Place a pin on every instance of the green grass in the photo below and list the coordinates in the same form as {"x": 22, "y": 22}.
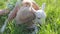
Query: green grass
{"x": 52, "y": 22}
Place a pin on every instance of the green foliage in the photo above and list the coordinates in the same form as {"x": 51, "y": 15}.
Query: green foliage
{"x": 52, "y": 25}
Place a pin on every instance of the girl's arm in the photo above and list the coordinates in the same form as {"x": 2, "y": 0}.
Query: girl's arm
{"x": 4, "y": 11}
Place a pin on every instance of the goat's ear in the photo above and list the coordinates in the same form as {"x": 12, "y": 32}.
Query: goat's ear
{"x": 43, "y": 6}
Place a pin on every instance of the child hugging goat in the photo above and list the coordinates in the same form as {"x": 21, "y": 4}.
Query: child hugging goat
{"x": 26, "y": 13}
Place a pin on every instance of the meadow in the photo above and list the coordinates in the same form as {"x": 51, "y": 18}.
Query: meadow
{"x": 52, "y": 21}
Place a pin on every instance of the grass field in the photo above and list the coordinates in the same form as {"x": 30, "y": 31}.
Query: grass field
{"x": 52, "y": 22}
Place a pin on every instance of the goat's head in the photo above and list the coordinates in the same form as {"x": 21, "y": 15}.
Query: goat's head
{"x": 40, "y": 15}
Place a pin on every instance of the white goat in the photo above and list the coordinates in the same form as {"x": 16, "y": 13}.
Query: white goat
{"x": 40, "y": 17}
